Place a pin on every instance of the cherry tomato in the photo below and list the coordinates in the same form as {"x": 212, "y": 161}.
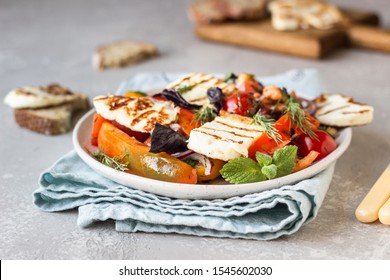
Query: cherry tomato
{"x": 241, "y": 104}
{"x": 324, "y": 145}
{"x": 246, "y": 83}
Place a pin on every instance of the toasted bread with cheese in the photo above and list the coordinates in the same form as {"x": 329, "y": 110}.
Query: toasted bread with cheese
{"x": 40, "y": 96}
{"x": 122, "y": 53}
{"x": 211, "y": 11}
{"x": 342, "y": 111}
{"x": 46, "y": 109}
{"x": 288, "y": 15}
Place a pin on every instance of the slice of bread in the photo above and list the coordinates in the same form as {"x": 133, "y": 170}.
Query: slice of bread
{"x": 211, "y": 11}
{"x": 49, "y": 121}
{"x": 122, "y": 53}
{"x": 48, "y": 110}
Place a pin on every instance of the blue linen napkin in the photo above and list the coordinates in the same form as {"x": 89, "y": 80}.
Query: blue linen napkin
{"x": 70, "y": 184}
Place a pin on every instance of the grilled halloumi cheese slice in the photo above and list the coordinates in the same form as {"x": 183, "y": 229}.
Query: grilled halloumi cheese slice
{"x": 226, "y": 137}
{"x": 137, "y": 113}
{"x": 341, "y": 111}
{"x": 194, "y": 87}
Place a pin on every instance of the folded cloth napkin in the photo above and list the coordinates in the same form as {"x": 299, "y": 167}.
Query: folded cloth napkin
{"x": 70, "y": 183}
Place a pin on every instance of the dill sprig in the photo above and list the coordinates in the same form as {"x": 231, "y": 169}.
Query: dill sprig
{"x": 268, "y": 125}
{"x": 113, "y": 162}
{"x": 184, "y": 88}
{"x": 298, "y": 116}
{"x": 205, "y": 114}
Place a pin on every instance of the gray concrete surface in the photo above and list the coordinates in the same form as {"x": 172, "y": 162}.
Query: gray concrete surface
{"x": 46, "y": 41}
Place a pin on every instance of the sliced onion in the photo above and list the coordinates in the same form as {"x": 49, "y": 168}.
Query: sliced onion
{"x": 207, "y": 167}
{"x": 183, "y": 155}
{"x": 309, "y": 106}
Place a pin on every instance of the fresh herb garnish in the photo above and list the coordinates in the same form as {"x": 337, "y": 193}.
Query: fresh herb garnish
{"x": 184, "y": 88}
{"x": 205, "y": 114}
{"x": 245, "y": 170}
{"x": 268, "y": 125}
{"x": 298, "y": 116}
{"x": 242, "y": 170}
{"x": 191, "y": 162}
{"x": 113, "y": 162}
{"x": 230, "y": 78}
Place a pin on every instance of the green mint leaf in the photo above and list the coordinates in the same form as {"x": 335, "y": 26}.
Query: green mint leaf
{"x": 284, "y": 159}
{"x": 269, "y": 171}
{"x": 242, "y": 170}
{"x": 263, "y": 159}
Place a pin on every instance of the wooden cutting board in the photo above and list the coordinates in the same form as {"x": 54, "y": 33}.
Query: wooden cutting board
{"x": 316, "y": 44}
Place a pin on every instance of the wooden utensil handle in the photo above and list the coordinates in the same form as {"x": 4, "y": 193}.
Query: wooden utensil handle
{"x": 369, "y": 37}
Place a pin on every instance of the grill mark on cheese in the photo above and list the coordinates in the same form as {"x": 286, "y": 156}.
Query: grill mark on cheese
{"x": 239, "y": 128}
{"x": 143, "y": 104}
{"x": 220, "y": 138}
{"x": 20, "y": 91}
{"x": 358, "y": 112}
{"x": 115, "y": 102}
{"x": 227, "y": 131}
{"x": 333, "y": 110}
{"x": 202, "y": 81}
{"x": 185, "y": 79}
{"x": 201, "y": 78}
{"x": 56, "y": 89}
{"x": 197, "y": 99}
{"x": 150, "y": 122}
{"x": 142, "y": 116}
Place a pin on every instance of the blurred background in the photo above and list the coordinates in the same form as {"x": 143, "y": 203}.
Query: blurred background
{"x": 45, "y": 41}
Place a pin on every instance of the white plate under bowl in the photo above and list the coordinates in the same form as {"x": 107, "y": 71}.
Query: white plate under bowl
{"x": 214, "y": 189}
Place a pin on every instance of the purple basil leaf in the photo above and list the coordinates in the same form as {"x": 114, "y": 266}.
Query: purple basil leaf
{"x": 165, "y": 139}
{"x": 176, "y": 98}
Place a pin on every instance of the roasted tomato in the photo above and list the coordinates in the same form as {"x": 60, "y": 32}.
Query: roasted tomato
{"x": 140, "y": 136}
{"x": 241, "y": 103}
{"x": 324, "y": 144}
{"x": 98, "y": 121}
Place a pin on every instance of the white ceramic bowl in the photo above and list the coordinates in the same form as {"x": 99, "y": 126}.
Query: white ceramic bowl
{"x": 214, "y": 189}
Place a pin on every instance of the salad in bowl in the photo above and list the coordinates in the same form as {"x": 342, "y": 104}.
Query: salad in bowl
{"x": 201, "y": 128}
